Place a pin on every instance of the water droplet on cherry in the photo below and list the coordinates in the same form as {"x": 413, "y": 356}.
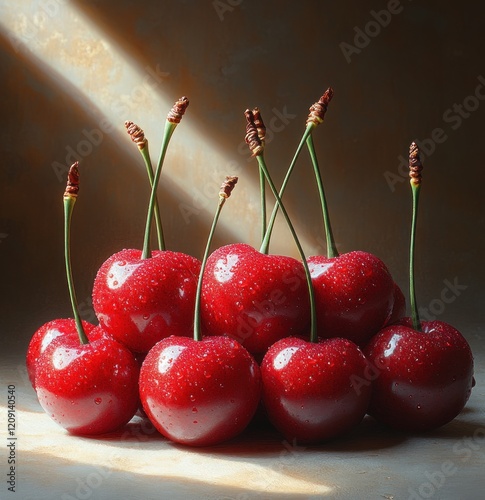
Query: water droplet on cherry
{"x": 98, "y": 401}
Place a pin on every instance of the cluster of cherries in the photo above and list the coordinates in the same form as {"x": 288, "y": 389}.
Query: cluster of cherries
{"x": 314, "y": 343}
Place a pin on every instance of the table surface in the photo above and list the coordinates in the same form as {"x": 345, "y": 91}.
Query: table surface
{"x": 137, "y": 463}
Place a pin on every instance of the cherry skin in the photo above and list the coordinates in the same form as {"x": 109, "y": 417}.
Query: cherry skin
{"x": 44, "y": 335}
{"x": 354, "y": 295}
{"x": 422, "y": 379}
{"x": 309, "y": 389}
{"x": 398, "y": 308}
{"x": 88, "y": 389}
{"x": 199, "y": 393}
{"x": 253, "y": 297}
{"x": 140, "y": 301}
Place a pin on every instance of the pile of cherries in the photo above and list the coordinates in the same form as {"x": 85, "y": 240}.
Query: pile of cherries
{"x": 314, "y": 344}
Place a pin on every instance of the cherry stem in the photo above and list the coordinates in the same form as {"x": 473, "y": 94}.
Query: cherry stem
{"x": 415, "y": 168}
{"x": 262, "y": 189}
{"x": 158, "y": 221}
{"x": 225, "y": 192}
{"x": 265, "y": 244}
{"x": 169, "y": 129}
{"x": 311, "y": 293}
{"x": 69, "y": 202}
{"x": 331, "y": 247}
{"x": 415, "y": 188}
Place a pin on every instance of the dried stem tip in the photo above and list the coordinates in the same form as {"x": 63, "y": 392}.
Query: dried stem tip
{"x": 72, "y": 188}
{"x": 318, "y": 110}
{"x": 178, "y": 110}
{"x": 415, "y": 165}
{"x": 227, "y": 186}
{"x": 260, "y": 127}
{"x": 252, "y": 137}
{"x": 136, "y": 133}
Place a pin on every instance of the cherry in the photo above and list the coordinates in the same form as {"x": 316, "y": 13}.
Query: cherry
{"x": 140, "y": 301}
{"x": 424, "y": 369}
{"x": 354, "y": 292}
{"x": 141, "y": 297}
{"x": 200, "y": 391}
{"x": 424, "y": 378}
{"x": 255, "y": 298}
{"x": 309, "y": 389}
{"x": 88, "y": 386}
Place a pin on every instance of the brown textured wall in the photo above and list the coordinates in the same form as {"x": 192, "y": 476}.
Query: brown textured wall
{"x": 419, "y": 69}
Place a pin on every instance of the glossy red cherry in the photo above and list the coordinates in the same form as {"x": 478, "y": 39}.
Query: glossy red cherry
{"x": 423, "y": 379}
{"x": 199, "y": 393}
{"x": 140, "y": 301}
{"x": 255, "y": 298}
{"x": 309, "y": 389}
{"x": 89, "y": 388}
{"x": 44, "y": 335}
{"x": 423, "y": 370}
{"x": 354, "y": 294}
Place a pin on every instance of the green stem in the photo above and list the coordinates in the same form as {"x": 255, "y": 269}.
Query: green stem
{"x": 262, "y": 189}
{"x": 198, "y": 294}
{"x": 167, "y": 134}
{"x": 412, "y": 292}
{"x": 313, "y": 316}
{"x": 331, "y": 247}
{"x": 158, "y": 221}
{"x": 265, "y": 244}
{"x": 69, "y": 202}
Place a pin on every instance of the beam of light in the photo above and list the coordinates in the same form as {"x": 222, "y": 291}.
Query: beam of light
{"x": 113, "y": 87}
{"x": 151, "y": 456}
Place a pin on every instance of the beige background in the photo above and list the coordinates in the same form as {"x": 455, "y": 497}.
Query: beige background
{"x": 73, "y": 67}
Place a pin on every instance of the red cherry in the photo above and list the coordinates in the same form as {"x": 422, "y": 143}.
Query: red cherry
{"x": 44, "y": 335}
{"x": 88, "y": 388}
{"x": 253, "y": 297}
{"x": 309, "y": 389}
{"x": 354, "y": 294}
{"x": 202, "y": 392}
{"x": 140, "y": 301}
{"x": 423, "y": 378}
